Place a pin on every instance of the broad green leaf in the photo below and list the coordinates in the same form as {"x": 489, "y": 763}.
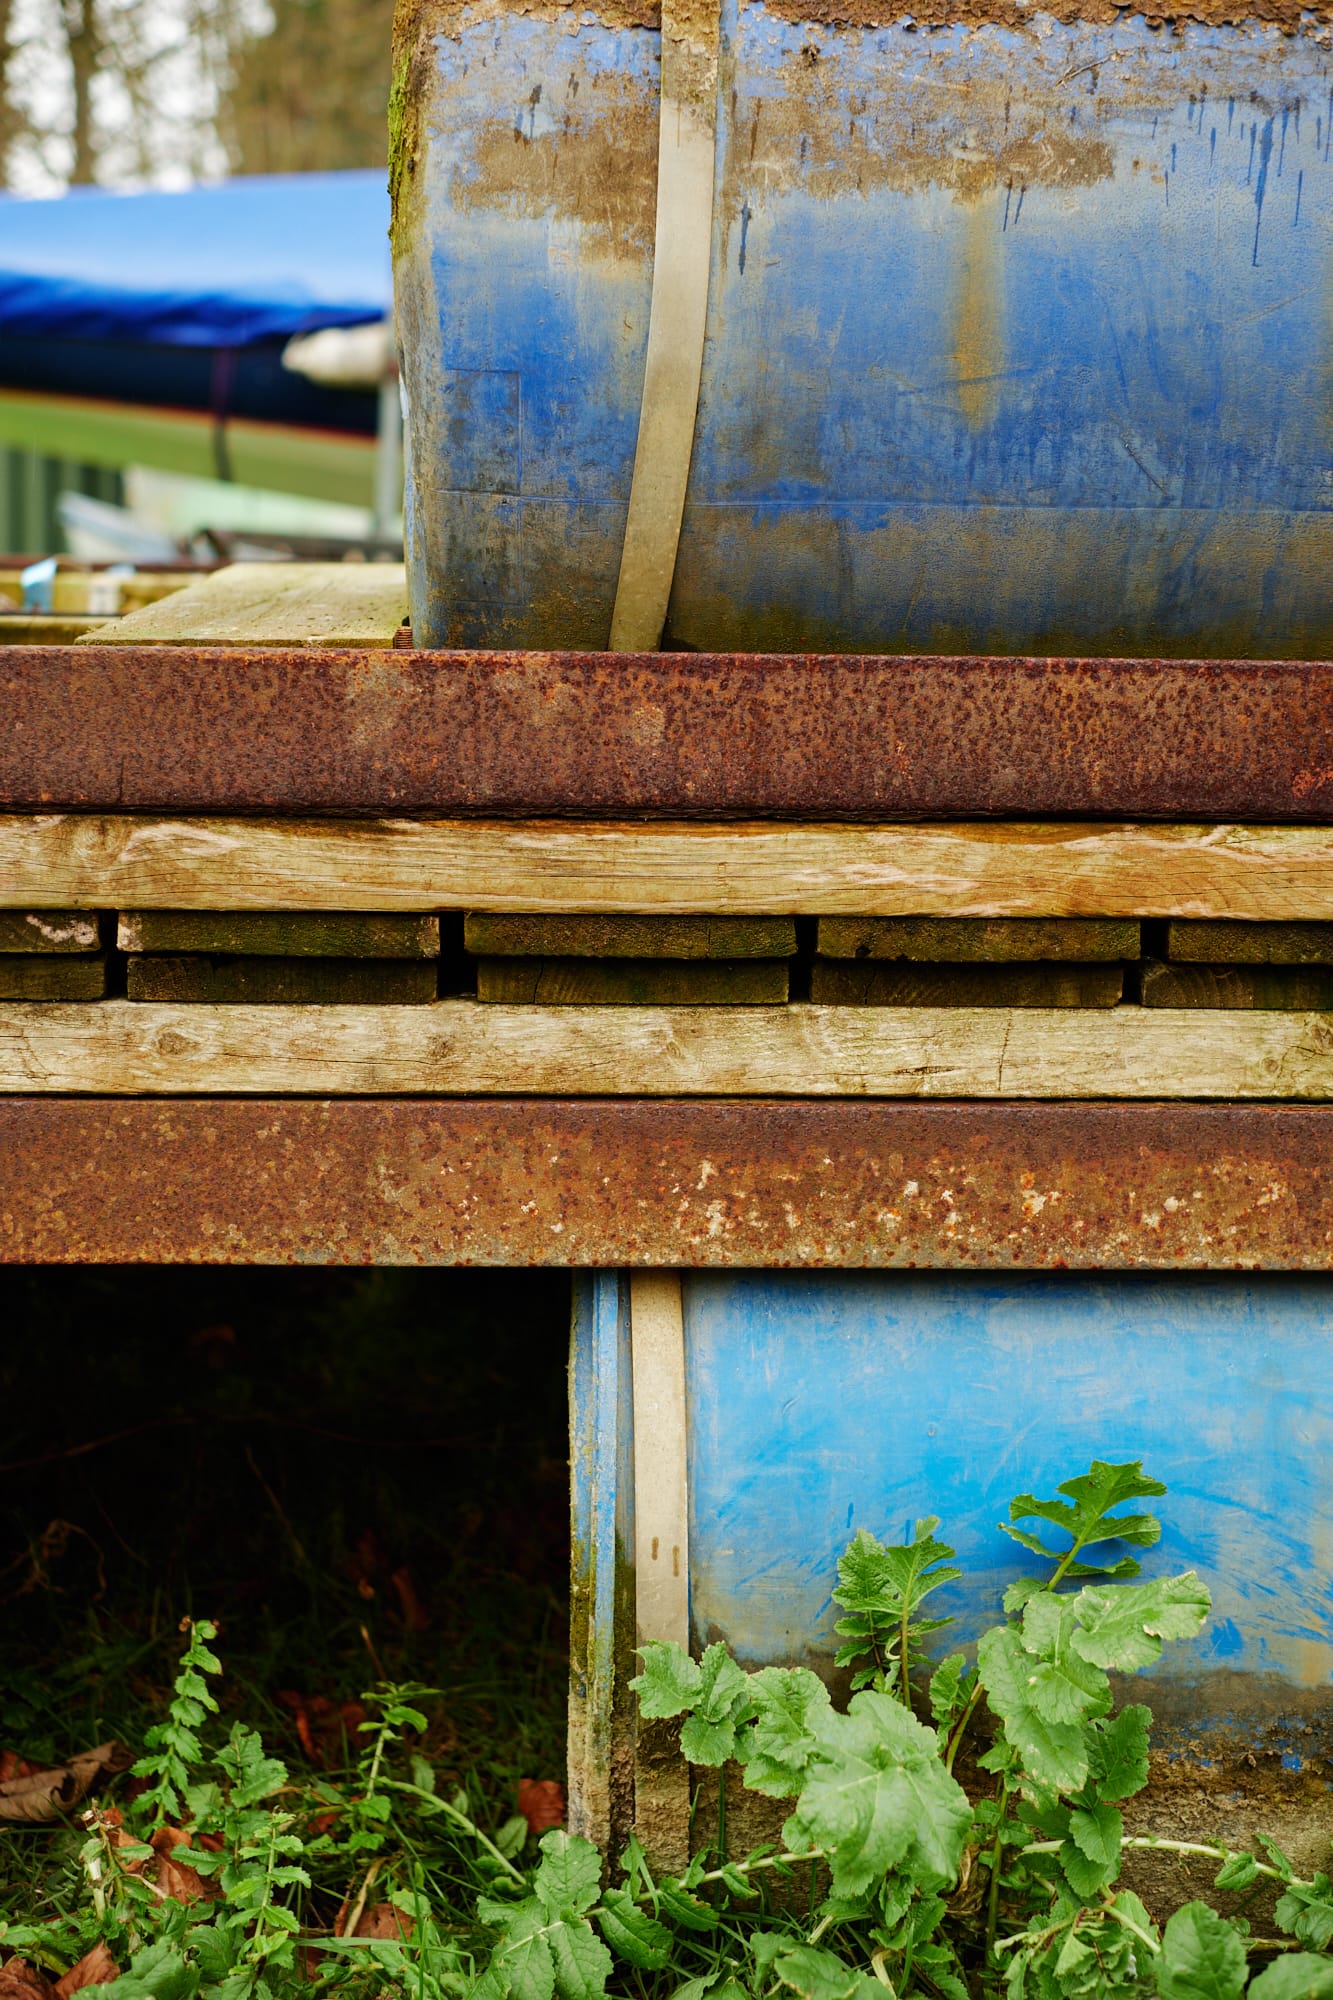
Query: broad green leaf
{"x": 950, "y": 1687}
{"x": 1123, "y": 1626}
{"x": 684, "y": 1908}
{"x": 570, "y": 1875}
{"x": 1202, "y": 1958}
{"x": 776, "y": 1751}
{"x": 1237, "y": 1873}
{"x": 1091, "y": 1855}
{"x": 878, "y": 1797}
{"x": 1054, "y": 1752}
{"x": 874, "y": 1576}
{"x": 522, "y": 1959}
{"x": 1118, "y": 1752}
{"x": 1306, "y": 1912}
{"x": 158, "y": 1972}
{"x": 512, "y": 1837}
{"x": 670, "y": 1681}
{"x": 1279, "y": 1860}
{"x": 1298, "y": 1975}
{"x": 581, "y": 1961}
{"x": 1084, "y": 1511}
{"x": 816, "y": 1974}
{"x": 722, "y": 1701}
{"x": 705, "y": 1742}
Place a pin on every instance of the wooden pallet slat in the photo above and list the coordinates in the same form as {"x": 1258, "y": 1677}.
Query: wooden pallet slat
{"x": 464, "y": 1047}
{"x": 962, "y": 869}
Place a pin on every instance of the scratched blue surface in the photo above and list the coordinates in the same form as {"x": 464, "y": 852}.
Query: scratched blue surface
{"x": 1017, "y": 339}
{"x": 820, "y": 1404}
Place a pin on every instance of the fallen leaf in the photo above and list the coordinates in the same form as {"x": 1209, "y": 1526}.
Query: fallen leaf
{"x": 41, "y": 1796}
{"x": 14, "y": 1766}
{"x": 414, "y": 1617}
{"x": 542, "y": 1803}
{"x": 96, "y": 1968}
{"x": 382, "y": 1920}
{"x": 323, "y": 1727}
{"x": 21, "y": 1981}
{"x": 176, "y": 1878}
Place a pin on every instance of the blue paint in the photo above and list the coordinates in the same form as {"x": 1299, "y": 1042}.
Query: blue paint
{"x": 821, "y": 1403}
{"x": 601, "y": 1511}
{"x": 978, "y": 373}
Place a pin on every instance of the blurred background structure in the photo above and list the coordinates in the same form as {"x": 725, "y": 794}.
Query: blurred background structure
{"x": 149, "y": 403}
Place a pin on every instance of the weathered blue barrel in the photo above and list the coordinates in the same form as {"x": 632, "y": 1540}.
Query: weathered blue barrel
{"x": 1018, "y": 328}
{"x": 816, "y": 1404}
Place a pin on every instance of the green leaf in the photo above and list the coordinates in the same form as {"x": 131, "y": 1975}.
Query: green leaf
{"x": 512, "y": 1837}
{"x": 816, "y": 1974}
{"x": 874, "y": 1577}
{"x": 1091, "y": 1855}
{"x": 670, "y": 1681}
{"x": 684, "y": 1908}
{"x": 570, "y": 1875}
{"x": 158, "y": 1972}
{"x": 948, "y": 1689}
{"x": 1085, "y": 1514}
{"x": 1298, "y": 1975}
{"x": 1202, "y": 1958}
{"x": 1237, "y": 1873}
{"x": 1118, "y": 1752}
{"x": 1123, "y": 1626}
{"x": 581, "y": 1961}
{"x": 522, "y": 1959}
{"x": 878, "y": 1797}
{"x": 776, "y": 1752}
{"x": 1305, "y": 1912}
{"x": 1054, "y": 1752}
{"x": 631, "y": 1933}
{"x": 720, "y": 1705}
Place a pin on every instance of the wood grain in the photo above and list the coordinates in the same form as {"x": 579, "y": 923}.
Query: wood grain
{"x": 49, "y": 976}
{"x": 279, "y": 934}
{"x": 461, "y": 1047}
{"x": 957, "y": 940}
{"x": 959, "y": 869}
{"x": 48, "y": 930}
{"x": 1250, "y": 944}
{"x": 281, "y": 982}
{"x": 505, "y": 936}
{"x": 1291, "y": 988}
{"x": 859, "y": 982}
{"x": 633, "y": 982}
{"x": 271, "y": 604}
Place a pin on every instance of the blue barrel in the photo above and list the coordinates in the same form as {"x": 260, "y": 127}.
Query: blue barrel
{"x": 1018, "y": 331}
{"x": 818, "y": 1404}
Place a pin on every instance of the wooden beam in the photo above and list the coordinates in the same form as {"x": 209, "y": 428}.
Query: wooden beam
{"x": 464, "y": 1047}
{"x": 110, "y": 861}
{"x": 273, "y": 604}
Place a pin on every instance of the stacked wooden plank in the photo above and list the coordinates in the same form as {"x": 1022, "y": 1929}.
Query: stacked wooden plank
{"x": 51, "y": 955}
{"x": 627, "y": 960}
{"x": 279, "y": 958}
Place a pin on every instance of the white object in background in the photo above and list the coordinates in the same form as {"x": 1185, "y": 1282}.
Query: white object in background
{"x": 343, "y": 357}
{"x": 95, "y": 531}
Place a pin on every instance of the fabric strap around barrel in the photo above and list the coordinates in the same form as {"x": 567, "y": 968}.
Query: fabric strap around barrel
{"x": 685, "y": 152}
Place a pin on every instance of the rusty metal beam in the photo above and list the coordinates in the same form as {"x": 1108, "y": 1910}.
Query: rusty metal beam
{"x": 671, "y": 735}
{"x": 766, "y": 1183}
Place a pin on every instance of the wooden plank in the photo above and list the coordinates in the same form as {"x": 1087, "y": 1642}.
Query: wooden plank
{"x": 42, "y": 977}
{"x": 493, "y": 935}
{"x": 91, "y": 860}
{"x": 845, "y": 982}
{"x": 946, "y": 940}
{"x": 1251, "y": 944}
{"x": 460, "y": 1048}
{"x": 274, "y": 604}
{"x": 48, "y": 930}
{"x": 279, "y": 933}
{"x": 53, "y": 628}
{"x": 633, "y": 982}
{"x": 282, "y": 982}
{"x": 1291, "y": 988}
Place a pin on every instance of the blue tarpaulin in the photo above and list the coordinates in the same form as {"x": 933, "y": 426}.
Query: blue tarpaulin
{"x": 257, "y": 258}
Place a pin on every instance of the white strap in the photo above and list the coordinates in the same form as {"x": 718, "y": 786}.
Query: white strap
{"x": 679, "y": 311}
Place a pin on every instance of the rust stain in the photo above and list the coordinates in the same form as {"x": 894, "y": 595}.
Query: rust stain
{"x": 1290, "y": 15}
{"x": 978, "y": 352}
{"x": 598, "y": 168}
{"x": 662, "y": 736}
{"x": 721, "y": 1185}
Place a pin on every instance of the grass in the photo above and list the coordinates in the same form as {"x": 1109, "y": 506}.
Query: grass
{"x": 358, "y": 1476}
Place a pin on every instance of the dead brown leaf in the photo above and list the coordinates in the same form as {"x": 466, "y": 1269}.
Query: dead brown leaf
{"x": 414, "y": 1616}
{"x": 14, "y": 1766}
{"x": 43, "y": 1796}
{"x": 542, "y": 1803}
{"x": 21, "y": 1981}
{"x": 96, "y": 1968}
{"x": 382, "y": 1920}
{"x": 176, "y": 1878}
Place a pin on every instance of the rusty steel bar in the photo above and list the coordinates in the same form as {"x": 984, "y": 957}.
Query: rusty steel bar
{"x": 722, "y": 1184}
{"x": 670, "y": 735}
